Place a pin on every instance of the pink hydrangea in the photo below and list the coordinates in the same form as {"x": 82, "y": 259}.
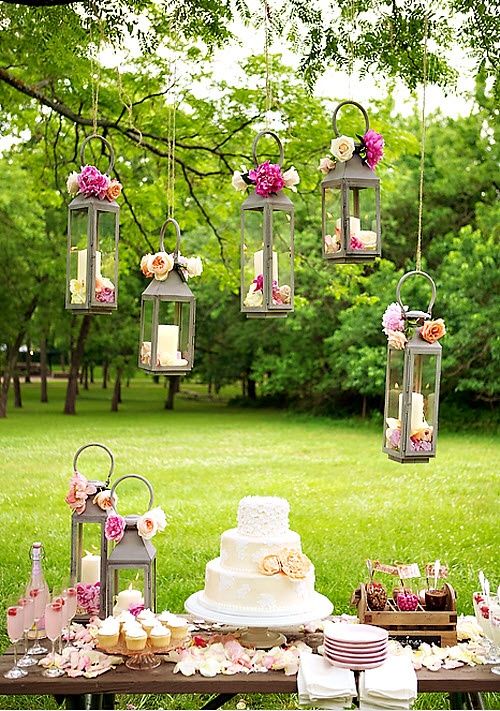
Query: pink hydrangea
{"x": 393, "y": 320}
{"x": 79, "y": 490}
{"x": 355, "y": 243}
{"x": 374, "y": 144}
{"x": 88, "y": 597}
{"x": 105, "y": 295}
{"x": 92, "y": 183}
{"x": 268, "y": 179}
{"x": 114, "y": 528}
{"x": 420, "y": 445}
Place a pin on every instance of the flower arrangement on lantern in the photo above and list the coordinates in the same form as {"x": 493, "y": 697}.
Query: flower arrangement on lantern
{"x": 148, "y": 525}
{"x": 80, "y": 488}
{"x": 267, "y": 178}
{"x": 160, "y": 264}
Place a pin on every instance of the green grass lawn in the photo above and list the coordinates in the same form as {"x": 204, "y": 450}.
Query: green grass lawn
{"x": 347, "y": 500}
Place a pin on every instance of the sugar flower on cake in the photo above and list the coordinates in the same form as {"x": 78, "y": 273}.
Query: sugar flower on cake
{"x": 270, "y": 565}
{"x": 267, "y": 178}
{"x": 91, "y": 183}
{"x": 114, "y": 528}
{"x": 79, "y": 491}
{"x": 292, "y": 563}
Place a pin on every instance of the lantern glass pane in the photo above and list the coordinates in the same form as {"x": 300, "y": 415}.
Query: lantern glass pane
{"x": 423, "y": 403}
{"x": 105, "y": 257}
{"x": 362, "y": 220}
{"x": 332, "y": 212}
{"x": 78, "y": 255}
{"x": 393, "y": 398}
{"x": 253, "y": 286}
{"x": 173, "y": 333}
{"x": 146, "y": 331}
{"x": 282, "y": 260}
{"x": 132, "y": 578}
{"x": 89, "y": 571}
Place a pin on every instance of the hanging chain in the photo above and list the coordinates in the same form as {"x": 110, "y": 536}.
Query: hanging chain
{"x": 418, "y": 261}
{"x": 269, "y": 95}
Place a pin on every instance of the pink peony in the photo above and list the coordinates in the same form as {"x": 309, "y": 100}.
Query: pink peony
{"x": 114, "y": 528}
{"x": 393, "y": 320}
{"x": 92, "y": 183}
{"x": 355, "y": 243}
{"x": 105, "y": 296}
{"x": 374, "y": 144}
{"x": 79, "y": 490}
{"x": 268, "y": 179}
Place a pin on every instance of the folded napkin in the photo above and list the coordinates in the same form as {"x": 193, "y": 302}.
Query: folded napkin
{"x": 323, "y": 686}
{"x": 390, "y": 686}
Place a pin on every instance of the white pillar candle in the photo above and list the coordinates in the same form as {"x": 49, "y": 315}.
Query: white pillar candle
{"x": 91, "y": 569}
{"x": 168, "y": 341}
{"x": 258, "y": 264}
{"x": 127, "y": 598}
{"x": 82, "y": 265}
{"x": 354, "y": 226}
{"x": 417, "y": 411}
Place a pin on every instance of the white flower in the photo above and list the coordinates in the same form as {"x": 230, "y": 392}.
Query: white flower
{"x": 291, "y": 178}
{"x": 77, "y": 291}
{"x": 342, "y": 148}
{"x": 147, "y": 526}
{"x": 161, "y": 520}
{"x": 104, "y": 501}
{"x": 397, "y": 340}
{"x": 286, "y": 293}
{"x": 237, "y": 182}
{"x": 326, "y": 164}
{"x": 194, "y": 266}
{"x": 72, "y": 183}
{"x": 254, "y": 299}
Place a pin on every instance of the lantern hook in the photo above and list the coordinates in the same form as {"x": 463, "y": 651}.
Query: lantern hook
{"x": 135, "y": 476}
{"x": 106, "y": 143}
{"x": 351, "y": 103}
{"x": 174, "y": 222}
{"x": 102, "y": 446}
{"x": 416, "y": 315}
{"x": 276, "y": 138}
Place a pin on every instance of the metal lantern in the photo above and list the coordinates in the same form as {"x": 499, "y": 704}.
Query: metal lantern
{"x": 92, "y": 255}
{"x": 92, "y": 569}
{"x": 267, "y": 229}
{"x": 412, "y": 389}
{"x": 132, "y": 552}
{"x": 167, "y": 320}
{"x": 351, "y": 207}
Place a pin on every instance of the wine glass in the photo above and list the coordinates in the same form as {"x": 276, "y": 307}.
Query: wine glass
{"x": 59, "y": 599}
{"x": 53, "y": 627}
{"x": 493, "y": 651}
{"x": 15, "y": 630}
{"x": 39, "y": 596}
{"x": 495, "y": 631}
{"x": 28, "y": 605}
{"x": 70, "y": 605}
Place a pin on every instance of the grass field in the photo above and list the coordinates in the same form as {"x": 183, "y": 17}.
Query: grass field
{"x": 347, "y": 500}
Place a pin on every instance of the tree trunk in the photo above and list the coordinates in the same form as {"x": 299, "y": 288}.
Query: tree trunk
{"x": 18, "y": 400}
{"x": 44, "y": 397}
{"x": 92, "y": 373}
{"x": 251, "y": 388}
{"x": 120, "y": 390}
{"x": 363, "y": 407}
{"x": 85, "y": 377}
{"x": 173, "y": 386}
{"x": 105, "y": 372}
{"x": 27, "y": 377}
{"x": 244, "y": 386}
{"x": 116, "y": 399}
{"x": 63, "y": 362}
{"x": 76, "y": 356}
{"x": 210, "y": 388}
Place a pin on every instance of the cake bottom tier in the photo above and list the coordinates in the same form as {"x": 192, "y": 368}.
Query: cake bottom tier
{"x": 256, "y": 594}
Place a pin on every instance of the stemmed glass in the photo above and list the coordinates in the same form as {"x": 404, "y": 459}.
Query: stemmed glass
{"x": 53, "y": 627}
{"x": 15, "y": 629}
{"x": 70, "y": 604}
{"x": 28, "y": 605}
{"x": 495, "y": 631}
{"x": 39, "y": 596}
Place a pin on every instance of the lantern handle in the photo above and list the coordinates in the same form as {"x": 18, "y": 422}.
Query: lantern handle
{"x": 416, "y": 314}
{"x": 106, "y": 449}
{"x": 134, "y": 476}
{"x": 352, "y": 103}
{"x": 276, "y": 138}
{"x": 177, "y": 239}
{"x": 108, "y": 146}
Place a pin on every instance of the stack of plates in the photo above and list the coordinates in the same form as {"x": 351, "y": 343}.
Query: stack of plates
{"x": 355, "y": 646}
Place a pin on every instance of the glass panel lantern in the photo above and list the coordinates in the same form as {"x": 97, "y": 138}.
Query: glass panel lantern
{"x": 351, "y": 207}
{"x": 267, "y": 233}
{"x": 87, "y": 534}
{"x": 412, "y": 390}
{"x": 92, "y": 257}
{"x": 131, "y": 571}
{"x": 168, "y": 312}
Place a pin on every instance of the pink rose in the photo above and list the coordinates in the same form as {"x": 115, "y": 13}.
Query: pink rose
{"x": 92, "y": 183}
{"x": 79, "y": 490}
{"x": 114, "y": 528}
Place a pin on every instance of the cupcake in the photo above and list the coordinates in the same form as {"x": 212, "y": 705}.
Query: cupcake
{"x": 165, "y": 617}
{"x": 135, "y": 639}
{"x": 160, "y": 637}
{"x": 108, "y": 633}
{"x": 179, "y": 629}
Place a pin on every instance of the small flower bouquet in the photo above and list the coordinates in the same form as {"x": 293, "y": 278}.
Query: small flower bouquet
{"x": 255, "y": 296}
{"x": 267, "y": 178}
{"x": 160, "y": 264}
{"x": 148, "y": 525}
{"x": 80, "y": 488}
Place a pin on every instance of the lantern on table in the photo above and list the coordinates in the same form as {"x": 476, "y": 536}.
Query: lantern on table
{"x": 267, "y": 237}
{"x": 412, "y": 379}
{"x": 168, "y": 310}
{"x": 351, "y": 196}
{"x": 93, "y": 233}
{"x": 132, "y": 552}
{"x": 90, "y": 501}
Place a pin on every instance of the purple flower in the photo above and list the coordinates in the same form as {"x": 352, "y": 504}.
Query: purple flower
{"x": 374, "y": 144}
{"x": 105, "y": 296}
{"x": 420, "y": 445}
{"x": 92, "y": 183}
{"x": 87, "y": 597}
{"x": 114, "y": 528}
{"x": 393, "y": 320}
{"x": 395, "y": 438}
{"x": 355, "y": 243}
{"x": 268, "y": 179}
{"x": 259, "y": 286}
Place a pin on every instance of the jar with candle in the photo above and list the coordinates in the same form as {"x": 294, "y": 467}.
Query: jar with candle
{"x": 93, "y": 233}
{"x": 351, "y": 195}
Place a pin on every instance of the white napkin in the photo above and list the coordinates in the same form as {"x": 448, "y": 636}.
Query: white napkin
{"x": 324, "y": 686}
{"x": 390, "y": 686}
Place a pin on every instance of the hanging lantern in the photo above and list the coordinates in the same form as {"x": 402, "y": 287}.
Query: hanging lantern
{"x": 267, "y": 229}
{"x": 132, "y": 552}
{"x": 89, "y": 500}
{"x": 168, "y": 310}
{"x": 93, "y": 232}
{"x": 412, "y": 379}
{"x": 351, "y": 196}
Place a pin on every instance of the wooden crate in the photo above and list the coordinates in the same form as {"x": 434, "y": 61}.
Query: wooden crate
{"x": 413, "y": 628}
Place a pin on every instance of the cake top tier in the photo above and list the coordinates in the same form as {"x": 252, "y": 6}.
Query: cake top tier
{"x": 263, "y": 516}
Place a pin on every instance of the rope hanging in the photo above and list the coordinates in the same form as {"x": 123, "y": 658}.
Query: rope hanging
{"x": 269, "y": 95}
{"x": 418, "y": 261}
{"x": 171, "y": 131}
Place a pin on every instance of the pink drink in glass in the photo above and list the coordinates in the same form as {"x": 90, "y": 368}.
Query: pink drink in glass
{"x": 69, "y": 596}
{"x": 15, "y": 623}
{"x": 53, "y": 620}
{"x": 28, "y": 605}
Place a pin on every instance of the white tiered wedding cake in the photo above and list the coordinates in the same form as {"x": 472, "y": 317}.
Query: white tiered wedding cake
{"x": 261, "y": 570}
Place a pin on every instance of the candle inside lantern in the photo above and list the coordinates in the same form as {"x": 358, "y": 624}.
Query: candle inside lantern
{"x": 417, "y": 411}
{"x": 82, "y": 265}
{"x": 258, "y": 264}
{"x": 91, "y": 569}
{"x": 394, "y": 400}
{"x": 168, "y": 344}
{"x": 354, "y": 226}
{"x": 126, "y": 599}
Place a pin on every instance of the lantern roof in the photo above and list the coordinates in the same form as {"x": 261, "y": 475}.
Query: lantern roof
{"x": 132, "y": 550}
{"x": 174, "y": 287}
{"x": 352, "y": 171}
{"x": 80, "y": 201}
{"x": 279, "y": 201}
{"x": 419, "y": 345}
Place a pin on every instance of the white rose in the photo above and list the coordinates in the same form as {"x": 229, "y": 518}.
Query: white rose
{"x": 77, "y": 291}
{"x": 291, "y": 178}
{"x": 194, "y": 266}
{"x": 147, "y": 526}
{"x": 286, "y": 293}
{"x": 326, "y": 164}
{"x": 237, "y": 182}
{"x": 253, "y": 299}
{"x": 397, "y": 340}
{"x": 104, "y": 501}
{"x": 72, "y": 183}
{"x": 159, "y": 515}
{"x": 342, "y": 148}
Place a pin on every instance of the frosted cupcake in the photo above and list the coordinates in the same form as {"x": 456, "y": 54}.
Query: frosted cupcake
{"x": 135, "y": 639}
{"x": 179, "y": 629}
{"x": 108, "y": 633}
{"x": 160, "y": 637}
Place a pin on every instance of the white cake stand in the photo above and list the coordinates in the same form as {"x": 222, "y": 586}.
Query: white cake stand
{"x": 258, "y": 631}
